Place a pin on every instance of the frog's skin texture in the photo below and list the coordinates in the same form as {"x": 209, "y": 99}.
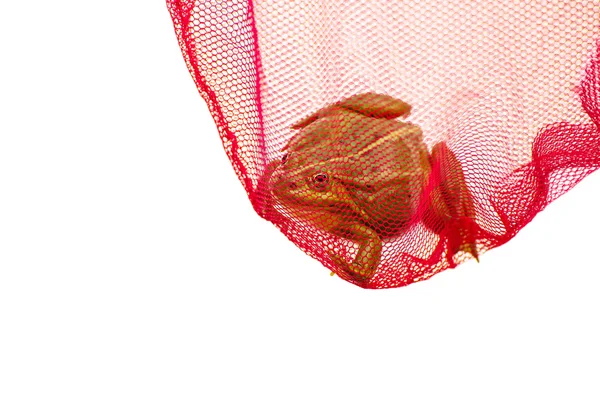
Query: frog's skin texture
{"x": 353, "y": 170}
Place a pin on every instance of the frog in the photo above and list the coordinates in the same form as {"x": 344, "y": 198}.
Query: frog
{"x": 354, "y": 170}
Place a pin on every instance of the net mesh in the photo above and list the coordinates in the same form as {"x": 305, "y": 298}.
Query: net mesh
{"x": 391, "y": 140}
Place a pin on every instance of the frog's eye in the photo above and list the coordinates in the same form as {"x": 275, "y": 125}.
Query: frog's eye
{"x": 320, "y": 180}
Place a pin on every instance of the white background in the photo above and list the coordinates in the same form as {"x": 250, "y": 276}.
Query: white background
{"x": 133, "y": 267}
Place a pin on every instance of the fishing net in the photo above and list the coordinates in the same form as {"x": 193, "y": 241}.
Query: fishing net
{"x": 392, "y": 140}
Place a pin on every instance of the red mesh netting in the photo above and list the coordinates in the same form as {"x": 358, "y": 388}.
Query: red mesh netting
{"x": 391, "y": 140}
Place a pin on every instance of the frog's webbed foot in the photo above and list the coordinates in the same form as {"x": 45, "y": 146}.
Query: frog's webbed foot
{"x": 451, "y": 206}
{"x": 371, "y": 104}
{"x": 369, "y": 251}
{"x": 376, "y": 105}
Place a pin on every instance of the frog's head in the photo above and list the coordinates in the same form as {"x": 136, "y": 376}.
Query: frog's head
{"x": 301, "y": 182}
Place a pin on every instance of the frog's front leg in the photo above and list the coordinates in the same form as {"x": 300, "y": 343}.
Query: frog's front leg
{"x": 451, "y": 203}
{"x": 369, "y": 250}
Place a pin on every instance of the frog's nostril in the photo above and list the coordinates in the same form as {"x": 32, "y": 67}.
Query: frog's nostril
{"x": 293, "y": 185}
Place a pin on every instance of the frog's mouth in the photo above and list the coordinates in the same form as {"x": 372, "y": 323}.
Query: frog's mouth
{"x": 302, "y": 194}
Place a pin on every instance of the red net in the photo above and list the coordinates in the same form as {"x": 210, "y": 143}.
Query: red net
{"x": 391, "y": 140}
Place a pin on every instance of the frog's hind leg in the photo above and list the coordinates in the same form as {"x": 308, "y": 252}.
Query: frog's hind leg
{"x": 371, "y": 104}
{"x": 376, "y": 105}
{"x": 451, "y": 203}
{"x": 369, "y": 250}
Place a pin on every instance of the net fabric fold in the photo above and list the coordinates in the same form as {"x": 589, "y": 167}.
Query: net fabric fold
{"x": 509, "y": 90}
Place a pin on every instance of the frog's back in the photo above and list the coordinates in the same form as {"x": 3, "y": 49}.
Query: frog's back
{"x": 394, "y": 159}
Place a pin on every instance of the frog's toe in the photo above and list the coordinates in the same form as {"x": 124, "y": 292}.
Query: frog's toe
{"x": 462, "y": 237}
{"x": 360, "y": 271}
{"x": 357, "y": 270}
{"x": 470, "y": 248}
